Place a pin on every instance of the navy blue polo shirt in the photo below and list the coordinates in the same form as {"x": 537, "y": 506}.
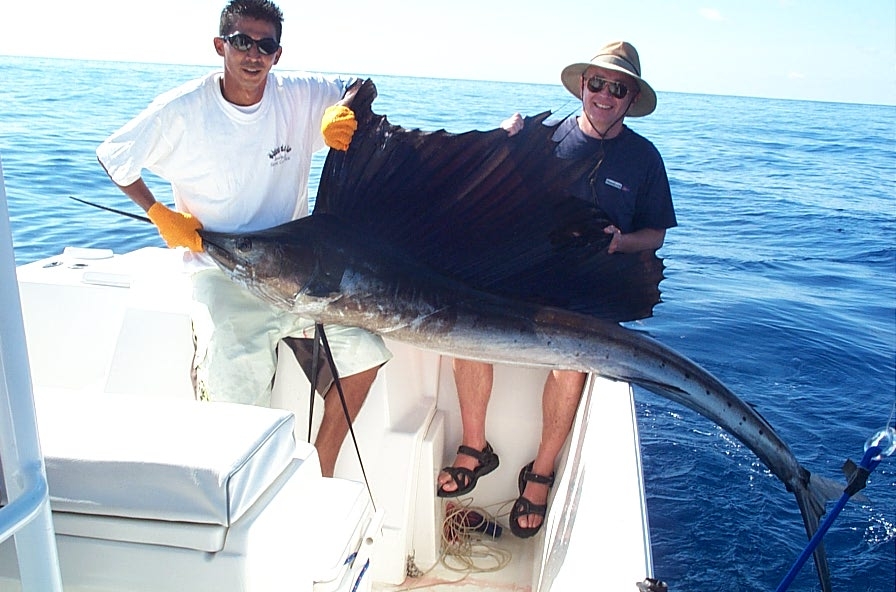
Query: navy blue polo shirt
{"x": 629, "y": 181}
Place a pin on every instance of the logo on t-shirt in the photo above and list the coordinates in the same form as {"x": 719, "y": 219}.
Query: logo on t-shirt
{"x": 279, "y": 155}
{"x": 615, "y": 184}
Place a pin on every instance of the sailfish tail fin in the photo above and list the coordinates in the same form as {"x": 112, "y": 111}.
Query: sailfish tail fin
{"x": 812, "y": 494}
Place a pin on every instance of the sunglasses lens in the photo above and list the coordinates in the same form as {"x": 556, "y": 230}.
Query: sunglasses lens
{"x": 596, "y": 84}
{"x": 240, "y": 41}
{"x": 616, "y": 89}
{"x": 243, "y": 42}
{"x": 267, "y": 45}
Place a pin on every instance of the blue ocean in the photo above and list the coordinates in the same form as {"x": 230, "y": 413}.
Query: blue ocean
{"x": 780, "y": 280}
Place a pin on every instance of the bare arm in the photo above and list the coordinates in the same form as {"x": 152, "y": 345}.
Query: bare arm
{"x": 139, "y": 194}
{"x": 178, "y": 229}
{"x": 646, "y": 239}
{"x": 137, "y": 191}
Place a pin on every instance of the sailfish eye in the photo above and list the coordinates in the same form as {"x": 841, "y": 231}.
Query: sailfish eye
{"x": 243, "y": 243}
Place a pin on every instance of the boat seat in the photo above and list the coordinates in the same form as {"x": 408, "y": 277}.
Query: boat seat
{"x": 148, "y": 460}
{"x": 169, "y": 494}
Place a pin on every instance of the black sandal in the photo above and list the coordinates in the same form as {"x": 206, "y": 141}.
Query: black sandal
{"x": 524, "y": 507}
{"x": 464, "y": 478}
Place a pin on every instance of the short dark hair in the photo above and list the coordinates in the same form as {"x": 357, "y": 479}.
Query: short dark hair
{"x": 262, "y": 10}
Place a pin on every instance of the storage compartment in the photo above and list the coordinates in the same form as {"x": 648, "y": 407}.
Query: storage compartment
{"x": 155, "y": 494}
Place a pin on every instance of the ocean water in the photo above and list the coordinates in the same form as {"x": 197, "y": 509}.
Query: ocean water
{"x": 781, "y": 280}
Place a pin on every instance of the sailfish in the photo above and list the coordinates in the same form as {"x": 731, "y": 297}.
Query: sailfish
{"x": 470, "y": 245}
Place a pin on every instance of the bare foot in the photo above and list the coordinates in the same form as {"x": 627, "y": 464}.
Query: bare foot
{"x": 537, "y": 493}
{"x": 476, "y": 462}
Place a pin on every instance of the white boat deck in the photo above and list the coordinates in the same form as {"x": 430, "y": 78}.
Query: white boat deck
{"x": 118, "y": 326}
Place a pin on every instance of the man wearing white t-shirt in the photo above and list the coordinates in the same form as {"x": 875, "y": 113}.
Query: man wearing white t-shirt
{"x": 236, "y": 147}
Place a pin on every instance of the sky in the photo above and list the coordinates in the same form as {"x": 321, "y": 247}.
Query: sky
{"x": 824, "y": 50}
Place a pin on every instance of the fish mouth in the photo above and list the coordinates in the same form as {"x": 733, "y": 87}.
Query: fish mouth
{"x": 222, "y": 256}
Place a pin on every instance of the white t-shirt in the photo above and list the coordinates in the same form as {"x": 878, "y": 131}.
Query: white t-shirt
{"x": 236, "y": 169}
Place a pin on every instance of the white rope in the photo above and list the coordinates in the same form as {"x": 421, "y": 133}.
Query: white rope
{"x": 465, "y": 550}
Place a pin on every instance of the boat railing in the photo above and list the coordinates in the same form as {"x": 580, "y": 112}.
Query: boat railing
{"x": 26, "y": 515}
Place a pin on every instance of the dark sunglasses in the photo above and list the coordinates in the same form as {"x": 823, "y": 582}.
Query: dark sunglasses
{"x": 616, "y": 89}
{"x": 243, "y": 42}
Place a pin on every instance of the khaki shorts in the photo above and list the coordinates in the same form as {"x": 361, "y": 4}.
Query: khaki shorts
{"x": 235, "y": 335}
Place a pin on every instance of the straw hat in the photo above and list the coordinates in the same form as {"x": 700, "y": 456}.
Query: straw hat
{"x": 619, "y": 56}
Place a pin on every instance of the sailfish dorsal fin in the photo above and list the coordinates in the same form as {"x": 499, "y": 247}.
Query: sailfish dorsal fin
{"x": 489, "y": 209}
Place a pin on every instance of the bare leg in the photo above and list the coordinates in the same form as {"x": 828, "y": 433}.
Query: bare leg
{"x": 562, "y": 391}
{"x": 333, "y": 427}
{"x": 474, "y": 389}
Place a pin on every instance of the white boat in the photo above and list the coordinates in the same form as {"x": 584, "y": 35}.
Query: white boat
{"x": 153, "y": 491}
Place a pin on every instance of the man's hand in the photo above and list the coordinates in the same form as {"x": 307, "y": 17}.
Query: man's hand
{"x": 616, "y": 242}
{"x": 176, "y": 228}
{"x": 513, "y": 124}
{"x": 338, "y": 126}
{"x": 645, "y": 239}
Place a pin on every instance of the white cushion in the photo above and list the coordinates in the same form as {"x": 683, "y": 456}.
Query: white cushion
{"x": 157, "y": 458}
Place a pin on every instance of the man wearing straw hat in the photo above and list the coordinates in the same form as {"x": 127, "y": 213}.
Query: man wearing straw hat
{"x": 629, "y": 183}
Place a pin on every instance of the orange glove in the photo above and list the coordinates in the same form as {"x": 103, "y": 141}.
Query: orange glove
{"x": 338, "y": 126}
{"x": 178, "y": 230}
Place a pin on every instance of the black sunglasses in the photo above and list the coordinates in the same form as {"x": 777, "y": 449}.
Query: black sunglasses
{"x": 616, "y": 89}
{"x": 243, "y": 42}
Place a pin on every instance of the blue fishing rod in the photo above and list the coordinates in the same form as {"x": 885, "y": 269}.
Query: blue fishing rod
{"x": 881, "y": 444}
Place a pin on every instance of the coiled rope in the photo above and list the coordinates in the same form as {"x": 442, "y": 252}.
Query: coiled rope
{"x": 469, "y": 544}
